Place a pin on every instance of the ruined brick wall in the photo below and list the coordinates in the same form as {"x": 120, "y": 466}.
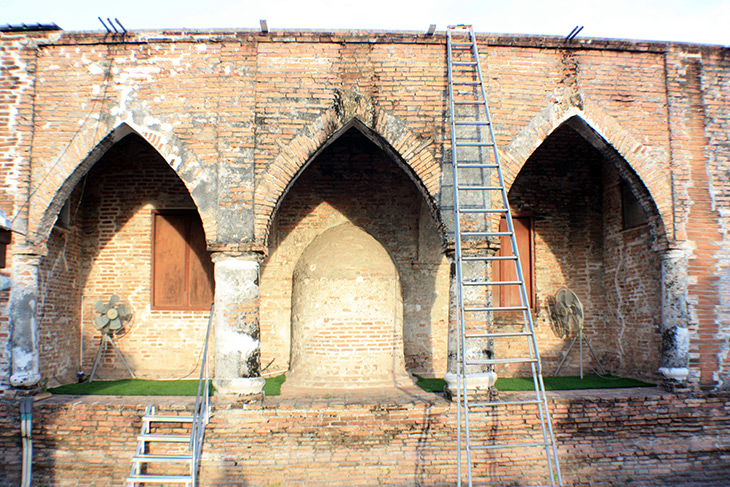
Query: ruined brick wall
{"x": 716, "y": 98}
{"x": 604, "y": 439}
{"x": 238, "y": 114}
{"x": 354, "y": 181}
{"x": 107, "y": 250}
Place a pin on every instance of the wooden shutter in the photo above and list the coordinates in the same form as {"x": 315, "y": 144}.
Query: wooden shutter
{"x": 505, "y": 271}
{"x": 182, "y": 272}
{"x": 201, "y": 267}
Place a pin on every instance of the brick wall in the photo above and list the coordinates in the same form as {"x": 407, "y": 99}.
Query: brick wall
{"x": 573, "y": 194}
{"x": 354, "y": 181}
{"x": 106, "y": 250}
{"x": 238, "y": 114}
{"x": 619, "y": 437}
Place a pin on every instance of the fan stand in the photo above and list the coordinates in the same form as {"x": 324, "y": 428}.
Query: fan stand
{"x": 107, "y": 340}
{"x": 580, "y": 338}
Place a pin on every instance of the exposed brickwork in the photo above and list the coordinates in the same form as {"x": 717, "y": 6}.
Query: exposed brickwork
{"x": 239, "y": 115}
{"x": 354, "y": 181}
{"x": 605, "y": 438}
{"x": 573, "y": 194}
{"x": 106, "y": 249}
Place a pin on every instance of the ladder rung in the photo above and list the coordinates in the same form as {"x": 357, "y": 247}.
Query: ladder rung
{"x": 490, "y": 257}
{"x": 161, "y": 479}
{"x": 502, "y": 403}
{"x": 468, "y": 83}
{"x": 481, "y": 210}
{"x": 468, "y": 102}
{"x": 161, "y": 458}
{"x": 485, "y": 234}
{"x": 508, "y": 445}
{"x": 474, "y": 144}
{"x": 479, "y": 188}
{"x": 502, "y": 334}
{"x": 461, "y": 44}
{"x": 477, "y": 166}
{"x": 492, "y": 283}
{"x": 170, "y": 438}
{"x": 475, "y": 122}
{"x": 490, "y": 361}
{"x": 480, "y": 309}
{"x": 168, "y": 418}
{"x": 464, "y": 63}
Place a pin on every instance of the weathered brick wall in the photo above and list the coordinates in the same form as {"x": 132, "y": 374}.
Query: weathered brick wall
{"x": 716, "y": 98}
{"x": 238, "y": 114}
{"x": 354, "y": 181}
{"x": 573, "y": 194}
{"x": 107, "y": 250}
{"x": 607, "y": 438}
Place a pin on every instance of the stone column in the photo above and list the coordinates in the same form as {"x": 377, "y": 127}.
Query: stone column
{"x": 236, "y": 322}
{"x": 24, "y": 370}
{"x": 675, "y": 318}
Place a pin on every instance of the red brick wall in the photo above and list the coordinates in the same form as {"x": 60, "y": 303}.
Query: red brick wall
{"x": 607, "y": 438}
{"x": 237, "y": 114}
{"x": 107, "y": 250}
{"x": 354, "y": 181}
{"x": 573, "y": 194}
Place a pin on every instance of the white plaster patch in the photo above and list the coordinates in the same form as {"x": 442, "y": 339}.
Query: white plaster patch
{"x": 230, "y": 341}
{"x": 95, "y": 69}
{"x": 21, "y": 358}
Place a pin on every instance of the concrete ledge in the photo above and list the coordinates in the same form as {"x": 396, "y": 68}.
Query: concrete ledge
{"x": 242, "y": 386}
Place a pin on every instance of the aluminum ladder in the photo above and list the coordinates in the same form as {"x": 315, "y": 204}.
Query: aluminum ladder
{"x": 491, "y": 336}
{"x": 172, "y": 458}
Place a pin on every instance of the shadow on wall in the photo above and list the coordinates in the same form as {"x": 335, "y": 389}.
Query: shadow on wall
{"x": 103, "y": 247}
{"x": 353, "y": 181}
{"x": 572, "y": 192}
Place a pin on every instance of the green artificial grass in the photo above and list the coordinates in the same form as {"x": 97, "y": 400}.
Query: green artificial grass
{"x": 132, "y": 387}
{"x": 273, "y": 385}
{"x": 568, "y": 383}
{"x": 551, "y": 383}
{"x": 430, "y": 385}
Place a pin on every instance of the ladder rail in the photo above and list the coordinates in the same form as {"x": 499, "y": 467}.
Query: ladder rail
{"x": 473, "y": 68}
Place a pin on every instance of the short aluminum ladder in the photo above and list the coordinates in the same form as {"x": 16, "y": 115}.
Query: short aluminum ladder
{"x": 492, "y": 336}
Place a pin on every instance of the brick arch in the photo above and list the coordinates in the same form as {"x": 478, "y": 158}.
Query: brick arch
{"x": 87, "y": 148}
{"x": 392, "y": 135}
{"x": 633, "y": 160}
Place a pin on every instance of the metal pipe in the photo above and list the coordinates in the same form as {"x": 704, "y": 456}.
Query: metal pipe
{"x": 26, "y": 432}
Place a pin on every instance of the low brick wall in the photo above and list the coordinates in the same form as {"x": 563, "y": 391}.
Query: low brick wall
{"x": 618, "y": 437}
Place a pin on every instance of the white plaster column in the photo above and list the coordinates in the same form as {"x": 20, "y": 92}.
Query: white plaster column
{"x": 675, "y": 336}
{"x": 24, "y": 369}
{"x": 236, "y": 322}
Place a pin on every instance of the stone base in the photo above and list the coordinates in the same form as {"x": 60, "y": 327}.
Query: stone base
{"x": 241, "y": 386}
{"x": 474, "y": 382}
{"x": 678, "y": 374}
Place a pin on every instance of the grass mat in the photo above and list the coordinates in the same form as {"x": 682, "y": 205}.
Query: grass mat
{"x": 132, "y": 387}
{"x": 551, "y": 383}
{"x": 569, "y": 383}
{"x": 273, "y": 385}
{"x": 142, "y": 387}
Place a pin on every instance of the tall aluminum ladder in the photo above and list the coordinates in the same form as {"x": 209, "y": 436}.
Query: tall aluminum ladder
{"x": 492, "y": 336}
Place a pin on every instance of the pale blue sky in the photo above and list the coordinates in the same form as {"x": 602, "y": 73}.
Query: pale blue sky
{"x": 702, "y": 21}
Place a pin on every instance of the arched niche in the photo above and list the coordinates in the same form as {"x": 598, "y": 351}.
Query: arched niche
{"x": 104, "y": 242}
{"x": 347, "y": 314}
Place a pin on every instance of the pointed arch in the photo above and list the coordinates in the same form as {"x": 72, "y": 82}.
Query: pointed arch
{"x": 648, "y": 177}
{"x": 411, "y": 152}
{"x": 87, "y": 147}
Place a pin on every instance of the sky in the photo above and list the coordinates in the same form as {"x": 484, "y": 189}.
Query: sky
{"x": 696, "y": 21}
